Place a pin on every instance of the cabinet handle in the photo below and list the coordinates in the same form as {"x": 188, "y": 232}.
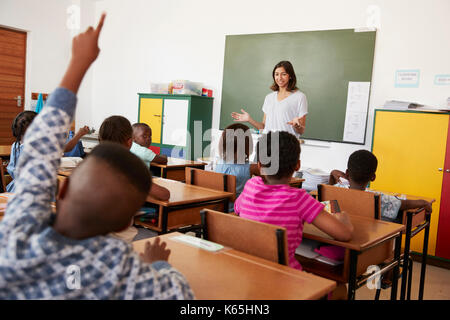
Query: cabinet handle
{"x": 157, "y": 115}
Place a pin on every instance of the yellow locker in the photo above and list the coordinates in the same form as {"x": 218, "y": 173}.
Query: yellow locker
{"x": 150, "y": 112}
{"x": 410, "y": 147}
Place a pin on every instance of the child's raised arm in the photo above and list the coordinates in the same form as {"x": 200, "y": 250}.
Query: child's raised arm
{"x": 84, "y": 51}
{"x": 337, "y": 225}
{"x": 334, "y": 176}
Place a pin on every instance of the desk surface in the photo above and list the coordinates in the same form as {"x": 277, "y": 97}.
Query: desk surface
{"x": 367, "y": 232}
{"x": 5, "y": 151}
{"x": 232, "y": 275}
{"x": 181, "y": 193}
{"x": 176, "y": 162}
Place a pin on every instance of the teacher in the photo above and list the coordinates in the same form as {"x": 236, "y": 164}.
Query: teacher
{"x": 284, "y": 109}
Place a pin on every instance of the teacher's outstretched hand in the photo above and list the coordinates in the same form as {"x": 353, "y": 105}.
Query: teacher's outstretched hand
{"x": 245, "y": 117}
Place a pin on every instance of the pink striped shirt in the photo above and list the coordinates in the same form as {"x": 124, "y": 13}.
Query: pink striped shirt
{"x": 280, "y": 205}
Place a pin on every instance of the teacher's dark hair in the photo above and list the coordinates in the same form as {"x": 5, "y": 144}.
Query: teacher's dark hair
{"x": 292, "y": 85}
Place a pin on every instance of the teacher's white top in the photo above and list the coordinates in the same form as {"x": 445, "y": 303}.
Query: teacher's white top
{"x": 279, "y": 113}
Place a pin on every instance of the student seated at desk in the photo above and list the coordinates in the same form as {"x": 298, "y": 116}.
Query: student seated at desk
{"x": 361, "y": 168}
{"x": 74, "y": 146}
{"x": 269, "y": 198}
{"x": 235, "y": 145}
{"x": 70, "y": 255}
{"x": 118, "y": 129}
{"x": 142, "y": 139}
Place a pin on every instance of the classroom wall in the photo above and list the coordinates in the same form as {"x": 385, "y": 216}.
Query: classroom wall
{"x": 159, "y": 41}
{"x": 49, "y": 42}
{"x": 147, "y": 41}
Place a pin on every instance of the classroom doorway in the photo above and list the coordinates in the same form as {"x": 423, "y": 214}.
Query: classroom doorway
{"x": 12, "y": 79}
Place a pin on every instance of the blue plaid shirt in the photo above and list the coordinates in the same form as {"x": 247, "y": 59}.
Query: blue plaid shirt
{"x": 36, "y": 262}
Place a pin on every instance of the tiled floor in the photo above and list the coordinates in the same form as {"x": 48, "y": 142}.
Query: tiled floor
{"x": 437, "y": 285}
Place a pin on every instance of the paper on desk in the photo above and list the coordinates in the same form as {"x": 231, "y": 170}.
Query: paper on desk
{"x": 199, "y": 243}
{"x": 356, "y": 112}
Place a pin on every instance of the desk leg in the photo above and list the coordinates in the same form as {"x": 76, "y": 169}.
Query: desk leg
{"x": 424, "y": 257}
{"x": 398, "y": 244}
{"x": 406, "y": 254}
{"x": 352, "y": 275}
{"x": 225, "y": 205}
{"x": 165, "y": 214}
{"x": 164, "y": 173}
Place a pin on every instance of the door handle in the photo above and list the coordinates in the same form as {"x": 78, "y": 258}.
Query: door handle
{"x": 447, "y": 170}
{"x": 19, "y": 100}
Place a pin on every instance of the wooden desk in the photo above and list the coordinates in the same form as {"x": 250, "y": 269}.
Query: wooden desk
{"x": 5, "y": 151}
{"x": 368, "y": 234}
{"x": 175, "y": 168}
{"x": 233, "y": 275}
{"x": 415, "y": 222}
{"x": 296, "y": 182}
{"x": 3, "y": 201}
{"x": 183, "y": 207}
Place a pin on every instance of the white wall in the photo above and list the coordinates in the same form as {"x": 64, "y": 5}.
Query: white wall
{"x": 155, "y": 40}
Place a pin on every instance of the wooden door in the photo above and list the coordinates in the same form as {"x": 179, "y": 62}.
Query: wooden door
{"x": 150, "y": 112}
{"x": 443, "y": 237}
{"x": 12, "y": 80}
{"x": 411, "y": 147}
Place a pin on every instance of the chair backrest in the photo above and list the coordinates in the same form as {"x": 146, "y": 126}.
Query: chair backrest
{"x": 5, "y": 177}
{"x": 259, "y": 239}
{"x": 211, "y": 180}
{"x": 355, "y": 202}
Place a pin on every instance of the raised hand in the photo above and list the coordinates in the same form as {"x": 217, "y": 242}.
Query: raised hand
{"x": 85, "y": 46}
{"x": 243, "y": 117}
{"x": 83, "y": 131}
{"x": 84, "y": 51}
{"x": 155, "y": 251}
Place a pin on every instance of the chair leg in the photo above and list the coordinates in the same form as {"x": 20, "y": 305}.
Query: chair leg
{"x": 410, "y": 271}
{"x": 377, "y": 294}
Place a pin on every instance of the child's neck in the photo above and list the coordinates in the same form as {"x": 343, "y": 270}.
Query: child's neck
{"x": 357, "y": 186}
{"x": 272, "y": 181}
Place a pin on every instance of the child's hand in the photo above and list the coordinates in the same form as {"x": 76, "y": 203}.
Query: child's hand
{"x": 154, "y": 252}
{"x": 83, "y": 131}
{"x": 85, "y": 46}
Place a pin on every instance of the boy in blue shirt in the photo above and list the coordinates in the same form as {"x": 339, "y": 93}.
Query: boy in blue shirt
{"x": 39, "y": 251}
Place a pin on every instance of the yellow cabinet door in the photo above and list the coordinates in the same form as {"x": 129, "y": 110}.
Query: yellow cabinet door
{"x": 410, "y": 148}
{"x": 150, "y": 112}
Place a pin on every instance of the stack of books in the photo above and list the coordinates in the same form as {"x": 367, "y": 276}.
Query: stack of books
{"x": 313, "y": 177}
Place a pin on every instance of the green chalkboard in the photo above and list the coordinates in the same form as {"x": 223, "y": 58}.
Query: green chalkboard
{"x": 324, "y": 63}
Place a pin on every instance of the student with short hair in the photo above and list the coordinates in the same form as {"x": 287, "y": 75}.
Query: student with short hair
{"x": 361, "y": 168}
{"x": 142, "y": 139}
{"x": 269, "y": 198}
{"x": 40, "y": 251}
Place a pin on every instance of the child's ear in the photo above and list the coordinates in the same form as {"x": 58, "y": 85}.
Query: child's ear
{"x": 297, "y": 166}
{"x": 129, "y": 143}
{"x": 373, "y": 177}
{"x": 63, "y": 189}
{"x": 346, "y": 175}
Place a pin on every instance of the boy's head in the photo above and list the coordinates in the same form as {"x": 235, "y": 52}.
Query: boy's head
{"x": 278, "y": 154}
{"x": 21, "y": 123}
{"x": 236, "y": 143}
{"x": 104, "y": 191}
{"x": 116, "y": 129}
{"x": 361, "y": 167}
{"x": 142, "y": 134}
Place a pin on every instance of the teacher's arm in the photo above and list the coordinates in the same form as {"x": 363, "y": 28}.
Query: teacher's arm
{"x": 298, "y": 124}
{"x": 245, "y": 117}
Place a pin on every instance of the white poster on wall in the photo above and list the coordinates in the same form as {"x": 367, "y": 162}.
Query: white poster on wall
{"x": 356, "y": 112}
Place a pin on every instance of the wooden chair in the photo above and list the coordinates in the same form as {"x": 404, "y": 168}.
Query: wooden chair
{"x": 263, "y": 240}
{"x": 355, "y": 202}
{"x": 211, "y": 180}
{"x": 6, "y": 178}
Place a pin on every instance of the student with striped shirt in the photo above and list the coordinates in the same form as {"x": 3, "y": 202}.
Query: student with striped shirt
{"x": 269, "y": 198}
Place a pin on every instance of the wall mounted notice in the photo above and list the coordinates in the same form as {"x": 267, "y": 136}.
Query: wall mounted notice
{"x": 407, "y": 78}
{"x": 356, "y": 112}
{"x": 442, "y": 79}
